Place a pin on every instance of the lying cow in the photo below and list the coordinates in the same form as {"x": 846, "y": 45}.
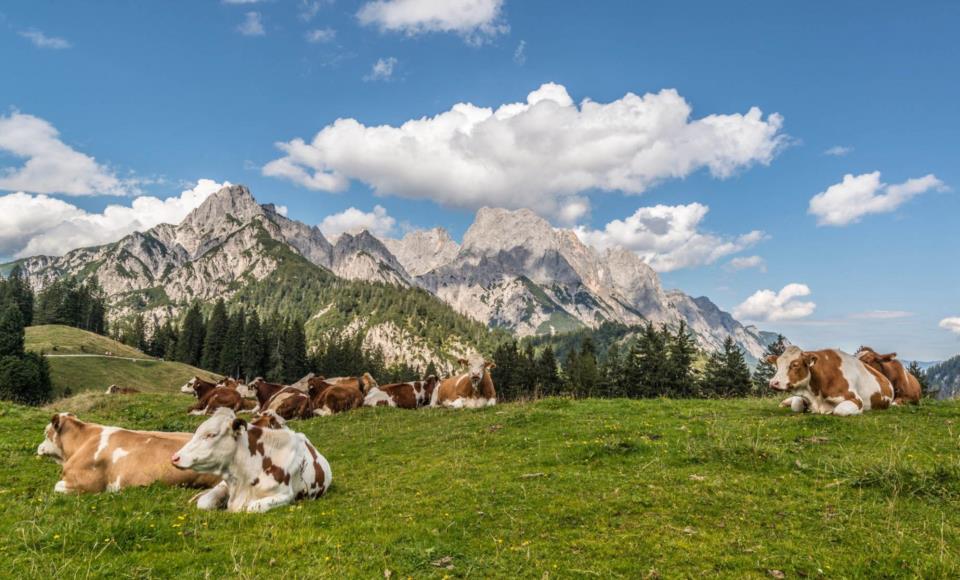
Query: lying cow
{"x": 213, "y": 397}
{"x": 329, "y": 398}
{"x": 196, "y": 384}
{"x": 829, "y": 382}
{"x": 906, "y": 387}
{"x": 118, "y": 390}
{"x": 410, "y": 395}
{"x": 471, "y": 389}
{"x": 261, "y": 468}
{"x": 287, "y": 402}
{"x": 98, "y": 458}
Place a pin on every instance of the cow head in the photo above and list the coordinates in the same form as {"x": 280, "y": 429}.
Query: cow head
{"x": 213, "y": 445}
{"x": 793, "y": 369}
{"x": 367, "y": 382}
{"x": 114, "y": 389}
{"x": 476, "y": 366}
{"x": 188, "y": 387}
{"x": 51, "y": 445}
{"x": 269, "y": 420}
{"x": 871, "y": 358}
{"x": 429, "y": 384}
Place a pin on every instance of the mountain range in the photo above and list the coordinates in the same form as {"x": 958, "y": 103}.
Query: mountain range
{"x": 513, "y": 271}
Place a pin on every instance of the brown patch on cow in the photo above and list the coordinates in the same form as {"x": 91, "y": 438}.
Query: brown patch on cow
{"x": 275, "y": 471}
{"x": 827, "y": 378}
{"x": 295, "y": 405}
{"x": 905, "y": 386}
{"x": 878, "y": 401}
{"x": 338, "y": 398}
{"x": 255, "y": 481}
{"x": 264, "y": 390}
{"x": 254, "y": 445}
{"x": 219, "y": 397}
{"x": 318, "y": 474}
{"x": 404, "y": 395}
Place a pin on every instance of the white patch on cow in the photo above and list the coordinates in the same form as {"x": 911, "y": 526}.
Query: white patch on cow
{"x": 215, "y": 498}
{"x": 846, "y": 408}
{"x": 376, "y": 396}
{"x": 104, "y": 441}
{"x": 118, "y": 454}
{"x": 114, "y": 486}
{"x": 61, "y": 487}
{"x": 198, "y": 412}
{"x": 457, "y": 403}
{"x": 323, "y": 412}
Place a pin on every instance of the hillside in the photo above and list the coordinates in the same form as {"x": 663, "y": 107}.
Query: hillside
{"x": 78, "y": 363}
{"x": 554, "y": 489}
{"x": 946, "y": 377}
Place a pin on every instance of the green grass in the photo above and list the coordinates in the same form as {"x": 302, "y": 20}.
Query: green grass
{"x": 59, "y": 339}
{"x": 71, "y": 374}
{"x": 557, "y": 488}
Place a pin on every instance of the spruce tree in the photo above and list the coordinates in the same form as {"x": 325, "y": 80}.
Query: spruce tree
{"x": 191, "y": 337}
{"x": 19, "y": 291}
{"x": 589, "y": 370}
{"x": 764, "y": 371}
{"x": 683, "y": 351}
{"x": 255, "y": 353}
{"x": 547, "y": 372}
{"x": 927, "y": 390}
{"x": 651, "y": 369}
{"x": 231, "y": 357}
{"x": 727, "y": 374}
{"x": 215, "y": 336}
{"x": 11, "y": 330}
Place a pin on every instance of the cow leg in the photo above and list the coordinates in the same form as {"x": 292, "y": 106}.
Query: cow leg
{"x": 62, "y": 487}
{"x": 847, "y": 408}
{"x": 796, "y": 404}
{"x": 215, "y": 498}
{"x": 457, "y": 404}
{"x": 268, "y": 503}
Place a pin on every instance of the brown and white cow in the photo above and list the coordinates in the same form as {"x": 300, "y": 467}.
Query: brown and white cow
{"x": 210, "y": 398}
{"x": 329, "y": 399}
{"x": 287, "y": 402}
{"x": 829, "y": 382}
{"x": 411, "y": 395}
{"x": 906, "y": 387}
{"x": 98, "y": 458}
{"x": 471, "y": 389}
{"x": 118, "y": 390}
{"x": 196, "y": 384}
{"x": 261, "y": 468}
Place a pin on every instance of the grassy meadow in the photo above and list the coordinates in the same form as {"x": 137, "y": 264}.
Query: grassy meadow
{"x": 551, "y": 489}
{"x": 73, "y": 370}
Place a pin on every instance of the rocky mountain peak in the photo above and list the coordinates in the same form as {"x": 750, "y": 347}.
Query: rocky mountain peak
{"x": 496, "y": 229}
{"x": 421, "y": 251}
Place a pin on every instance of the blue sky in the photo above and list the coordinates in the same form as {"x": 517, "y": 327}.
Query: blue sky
{"x": 162, "y": 94}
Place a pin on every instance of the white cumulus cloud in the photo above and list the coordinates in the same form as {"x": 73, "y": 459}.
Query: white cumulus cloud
{"x": 252, "y": 25}
{"x": 668, "y": 237}
{"x": 321, "y": 35}
{"x": 41, "y": 40}
{"x": 536, "y": 154}
{"x": 475, "y": 20}
{"x": 50, "y": 165}
{"x": 858, "y": 195}
{"x": 382, "y": 69}
{"x": 746, "y": 262}
{"x": 771, "y": 306}
{"x": 38, "y": 224}
{"x": 352, "y": 221}
{"x": 952, "y": 324}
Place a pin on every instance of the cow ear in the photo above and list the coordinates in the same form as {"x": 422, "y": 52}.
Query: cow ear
{"x": 810, "y": 358}
{"x": 771, "y": 359}
{"x": 463, "y": 362}
{"x": 888, "y": 357}
{"x": 55, "y": 421}
{"x": 238, "y": 424}
{"x": 490, "y": 364}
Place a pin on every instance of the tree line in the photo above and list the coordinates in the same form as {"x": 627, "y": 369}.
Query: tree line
{"x": 24, "y": 376}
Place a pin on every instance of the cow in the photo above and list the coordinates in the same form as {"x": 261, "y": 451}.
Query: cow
{"x": 261, "y": 468}
{"x": 97, "y": 458}
{"x": 190, "y": 387}
{"x": 411, "y": 395}
{"x": 287, "y": 402}
{"x": 829, "y": 382}
{"x": 211, "y": 398}
{"x": 118, "y": 390}
{"x": 329, "y": 398}
{"x": 269, "y": 420}
{"x": 906, "y": 387}
{"x": 364, "y": 382}
{"x": 471, "y": 389}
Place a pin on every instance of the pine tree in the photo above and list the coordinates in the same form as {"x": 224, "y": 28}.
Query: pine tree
{"x": 191, "y": 337}
{"x": 547, "y": 373}
{"x": 137, "y": 334}
{"x": 231, "y": 357}
{"x": 727, "y": 374}
{"x": 650, "y": 370}
{"x": 764, "y": 371}
{"x": 255, "y": 353}
{"x": 215, "y": 337}
{"x": 927, "y": 390}
{"x": 19, "y": 291}
{"x": 11, "y": 330}
{"x": 589, "y": 370}
{"x": 682, "y": 350}
{"x": 431, "y": 370}
{"x": 611, "y": 372}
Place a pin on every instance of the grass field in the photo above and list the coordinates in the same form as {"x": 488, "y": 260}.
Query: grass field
{"x": 552, "y": 489}
{"x": 96, "y": 373}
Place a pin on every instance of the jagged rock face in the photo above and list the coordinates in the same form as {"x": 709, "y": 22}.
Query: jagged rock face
{"x": 423, "y": 250}
{"x": 364, "y": 257}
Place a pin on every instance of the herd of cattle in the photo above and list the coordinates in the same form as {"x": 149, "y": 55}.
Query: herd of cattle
{"x": 260, "y": 464}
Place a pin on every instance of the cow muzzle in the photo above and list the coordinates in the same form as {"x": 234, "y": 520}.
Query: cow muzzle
{"x": 778, "y": 386}
{"x": 175, "y": 460}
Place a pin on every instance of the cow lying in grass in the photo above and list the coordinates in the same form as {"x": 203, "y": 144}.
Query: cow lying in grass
{"x": 471, "y": 389}
{"x": 328, "y": 398}
{"x": 211, "y": 397}
{"x": 98, "y": 458}
{"x": 906, "y": 387}
{"x": 118, "y": 390}
{"x": 287, "y": 402}
{"x": 829, "y": 382}
{"x": 191, "y": 386}
{"x": 411, "y": 395}
{"x": 261, "y": 468}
